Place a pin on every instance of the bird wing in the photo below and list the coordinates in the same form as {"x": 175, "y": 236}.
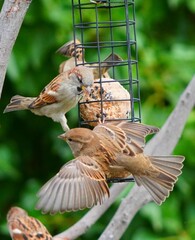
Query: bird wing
{"x": 118, "y": 138}
{"x": 112, "y": 132}
{"x": 68, "y": 49}
{"x": 48, "y": 94}
{"x": 136, "y": 131}
{"x": 79, "y": 184}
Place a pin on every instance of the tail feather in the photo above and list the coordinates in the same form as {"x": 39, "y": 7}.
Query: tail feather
{"x": 18, "y": 103}
{"x": 172, "y": 164}
{"x": 158, "y": 192}
{"x": 160, "y": 182}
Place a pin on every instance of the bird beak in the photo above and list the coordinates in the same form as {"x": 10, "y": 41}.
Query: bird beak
{"x": 86, "y": 90}
{"x": 62, "y": 136}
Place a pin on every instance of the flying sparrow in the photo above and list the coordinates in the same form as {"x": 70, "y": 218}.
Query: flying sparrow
{"x": 109, "y": 151}
{"x": 76, "y": 53}
{"x": 23, "y": 227}
{"x": 58, "y": 97}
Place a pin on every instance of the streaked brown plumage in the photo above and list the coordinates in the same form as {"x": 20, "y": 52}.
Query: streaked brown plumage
{"x": 109, "y": 151}
{"x": 58, "y": 97}
{"x": 76, "y": 53}
{"x": 102, "y": 102}
{"x": 23, "y": 227}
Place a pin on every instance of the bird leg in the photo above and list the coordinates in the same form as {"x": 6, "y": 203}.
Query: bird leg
{"x": 101, "y": 118}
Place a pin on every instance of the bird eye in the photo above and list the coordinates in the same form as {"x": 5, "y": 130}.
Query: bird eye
{"x": 70, "y": 139}
{"x": 79, "y": 78}
{"x": 79, "y": 89}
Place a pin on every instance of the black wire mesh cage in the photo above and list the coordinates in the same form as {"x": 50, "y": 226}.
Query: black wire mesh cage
{"x": 108, "y": 45}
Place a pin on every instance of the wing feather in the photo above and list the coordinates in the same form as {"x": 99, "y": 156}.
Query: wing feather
{"x": 48, "y": 94}
{"x": 79, "y": 184}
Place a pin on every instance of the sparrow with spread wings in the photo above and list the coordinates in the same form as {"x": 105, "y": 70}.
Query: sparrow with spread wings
{"x": 58, "y": 97}
{"x": 23, "y": 227}
{"x": 107, "y": 151}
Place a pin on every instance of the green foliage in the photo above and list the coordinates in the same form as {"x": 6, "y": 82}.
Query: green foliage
{"x": 30, "y": 152}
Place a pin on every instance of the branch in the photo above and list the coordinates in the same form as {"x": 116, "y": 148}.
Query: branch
{"x": 165, "y": 141}
{"x": 91, "y": 216}
{"x": 162, "y": 143}
{"x": 11, "y": 18}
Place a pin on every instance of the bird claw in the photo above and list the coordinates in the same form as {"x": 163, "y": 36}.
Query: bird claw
{"x": 102, "y": 118}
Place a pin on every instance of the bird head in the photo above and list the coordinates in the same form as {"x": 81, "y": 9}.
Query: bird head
{"x": 81, "y": 76}
{"x": 77, "y": 138}
{"x": 15, "y": 212}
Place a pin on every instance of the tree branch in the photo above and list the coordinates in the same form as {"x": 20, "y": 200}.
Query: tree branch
{"x": 91, "y": 216}
{"x": 161, "y": 144}
{"x": 11, "y": 18}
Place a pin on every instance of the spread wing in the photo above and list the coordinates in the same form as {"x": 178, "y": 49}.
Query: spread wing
{"x": 135, "y": 131}
{"x": 118, "y": 138}
{"x": 79, "y": 184}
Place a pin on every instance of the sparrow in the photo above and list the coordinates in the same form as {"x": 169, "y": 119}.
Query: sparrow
{"x": 108, "y": 151}
{"x": 106, "y": 101}
{"x": 102, "y": 102}
{"x": 23, "y": 227}
{"x": 58, "y": 97}
{"x": 76, "y": 53}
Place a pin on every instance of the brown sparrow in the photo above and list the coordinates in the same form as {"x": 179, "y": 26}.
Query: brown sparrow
{"x": 109, "y": 151}
{"x": 23, "y": 227}
{"x": 102, "y": 102}
{"x": 76, "y": 53}
{"x": 58, "y": 97}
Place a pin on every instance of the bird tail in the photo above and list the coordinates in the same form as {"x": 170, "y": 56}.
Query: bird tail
{"x": 18, "y": 103}
{"x": 161, "y": 182}
{"x": 110, "y": 61}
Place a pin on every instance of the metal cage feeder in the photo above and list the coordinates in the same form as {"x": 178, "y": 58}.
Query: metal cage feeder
{"x": 112, "y": 37}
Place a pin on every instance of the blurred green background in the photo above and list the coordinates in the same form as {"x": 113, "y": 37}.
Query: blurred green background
{"x": 30, "y": 152}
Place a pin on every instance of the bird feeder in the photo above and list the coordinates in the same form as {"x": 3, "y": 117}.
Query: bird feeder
{"x": 109, "y": 45}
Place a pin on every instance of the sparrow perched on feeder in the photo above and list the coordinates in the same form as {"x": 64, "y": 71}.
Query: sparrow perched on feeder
{"x": 108, "y": 91}
{"x": 76, "y": 57}
{"x": 109, "y": 151}
{"x": 58, "y": 97}
{"x": 23, "y": 227}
